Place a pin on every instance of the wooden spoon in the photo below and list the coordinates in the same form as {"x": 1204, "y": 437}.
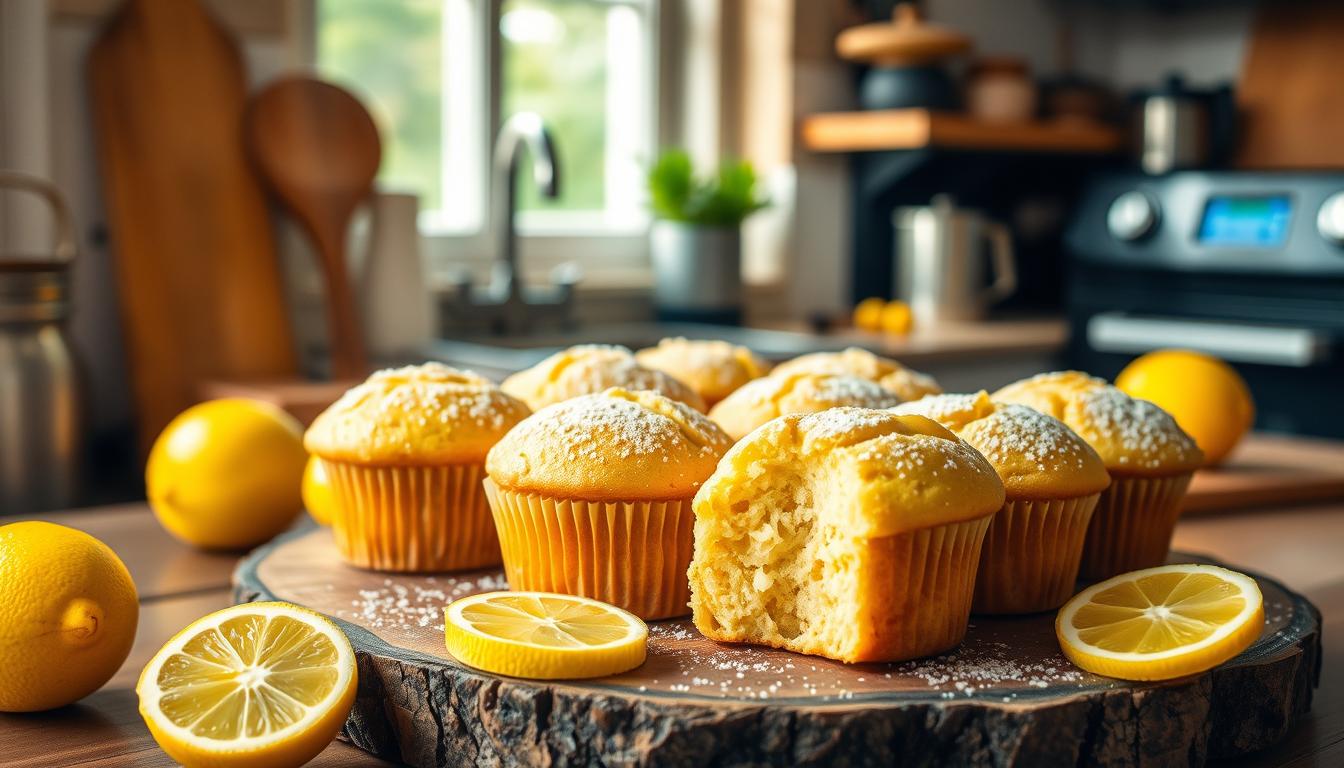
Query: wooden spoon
{"x": 318, "y": 150}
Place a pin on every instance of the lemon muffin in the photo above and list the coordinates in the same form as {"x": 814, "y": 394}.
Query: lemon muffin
{"x": 592, "y": 497}
{"x": 773, "y": 396}
{"x": 714, "y": 369}
{"x": 1052, "y": 479}
{"x": 1150, "y": 461}
{"x": 405, "y": 452}
{"x": 906, "y": 383}
{"x": 851, "y": 533}
{"x": 591, "y": 368}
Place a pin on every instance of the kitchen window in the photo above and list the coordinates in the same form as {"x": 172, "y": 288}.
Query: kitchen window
{"x": 589, "y": 67}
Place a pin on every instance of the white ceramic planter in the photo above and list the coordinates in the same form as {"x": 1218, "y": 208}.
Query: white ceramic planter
{"x": 697, "y": 272}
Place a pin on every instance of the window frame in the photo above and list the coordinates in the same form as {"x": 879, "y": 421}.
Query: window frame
{"x": 608, "y": 255}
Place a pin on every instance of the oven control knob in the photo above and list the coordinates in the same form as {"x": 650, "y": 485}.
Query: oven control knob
{"x": 1330, "y": 219}
{"x": 1132, "y": 216}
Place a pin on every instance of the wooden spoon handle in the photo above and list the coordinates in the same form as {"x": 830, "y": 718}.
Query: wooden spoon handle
{"x": 348, "y": 357}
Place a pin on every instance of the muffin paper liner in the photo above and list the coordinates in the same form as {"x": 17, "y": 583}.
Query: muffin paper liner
{"x": 930, "y": 575}
{"x": 430, "y": 518}
{"x": 632, "y": 554}
{"x": 1132, "y": 526}
{"x": 1030, "y": 559}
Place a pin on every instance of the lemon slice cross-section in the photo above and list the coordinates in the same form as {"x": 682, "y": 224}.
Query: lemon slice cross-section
{"x": 1160, "y": 623}
{"x": 543, "y": 635}
{"x": 259, "y": 684}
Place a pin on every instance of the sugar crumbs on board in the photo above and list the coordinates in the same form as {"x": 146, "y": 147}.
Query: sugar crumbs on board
{"x": 402, "y": 605}
{"x": 743, "y": 672}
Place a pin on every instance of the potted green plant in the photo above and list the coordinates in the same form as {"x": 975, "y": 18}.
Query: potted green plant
{"x": 696, "y": 238}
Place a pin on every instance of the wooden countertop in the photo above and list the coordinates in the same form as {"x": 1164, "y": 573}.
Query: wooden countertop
{"x": 1007, "y": 337}
{"x": 1299, "y": 546}
{"x": 888, "y": 129}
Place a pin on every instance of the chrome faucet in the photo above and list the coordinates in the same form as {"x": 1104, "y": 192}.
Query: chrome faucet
{"x": 505, "y": 305}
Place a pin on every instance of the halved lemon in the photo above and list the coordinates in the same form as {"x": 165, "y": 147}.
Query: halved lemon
{"x": 1160, "y": 623}
{"x": 259, "y": 684}
{"x": 543, "y": 635}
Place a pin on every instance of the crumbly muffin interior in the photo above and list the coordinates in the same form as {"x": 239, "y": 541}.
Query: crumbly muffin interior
{"x": 771, "y": 571}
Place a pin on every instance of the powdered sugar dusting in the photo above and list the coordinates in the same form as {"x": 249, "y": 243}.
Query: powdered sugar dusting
{"x": 421, "y": 394}
{"x": 1016, "y": 432}
{"x": 840, "y": 390}
{"x": 1147, "y": 433}
{"x": 838, "y": 422}
{"x": 591, "y": 368}
{"x": 819, "y": 390}
{"x": 415, "y": 602}
{"x": 715, "y": 364}
{"x": 600, "y": 428}
{"x": 622, "y": 372}
{"x": 982, "y": 666}
{"x": 940, "y": 408}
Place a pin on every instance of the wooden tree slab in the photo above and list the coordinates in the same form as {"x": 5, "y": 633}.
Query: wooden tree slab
{"x": 1006, "y": 697}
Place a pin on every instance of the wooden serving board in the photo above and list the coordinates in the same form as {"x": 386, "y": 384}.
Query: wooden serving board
{"x": 1270, "y": 470}
{"x": 1005, "y": 697}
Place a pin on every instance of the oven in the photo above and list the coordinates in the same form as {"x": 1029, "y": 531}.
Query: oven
{"x": 1247, "y": 266}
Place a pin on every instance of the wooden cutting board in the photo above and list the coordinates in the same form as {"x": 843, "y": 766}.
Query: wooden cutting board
{"x": 1289, "y": 97}
{"x": 200, "y": 286}
{"x": 1005, "y": 697}
{"x": 1270, "y": 470}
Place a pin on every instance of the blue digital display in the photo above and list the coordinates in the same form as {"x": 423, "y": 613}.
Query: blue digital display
{"x": 1254, "y": 222}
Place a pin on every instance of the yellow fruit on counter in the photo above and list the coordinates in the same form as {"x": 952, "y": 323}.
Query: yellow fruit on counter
{"x": 68, "y": 612}
{"x": 897, "y": 318}
{"x": 544, "y": 636}
{"x": 227, "y": 474}
{"x": 868, "y": 314}
{"x": 319, "y": 498}
{"x": 258, "y": 684}
{"x": 1206, "y": 396}
{"x": 1161, "y": 623}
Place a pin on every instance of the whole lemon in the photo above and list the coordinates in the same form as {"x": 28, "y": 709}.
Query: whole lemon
{"x": 897, "y": 318}
{"x": 227, "y": 474}
{"x": 68, "y": 611}
{"x": 868, "y": 314}
{"x": 319, "y": 498}
{"x": 1206, "y": 396}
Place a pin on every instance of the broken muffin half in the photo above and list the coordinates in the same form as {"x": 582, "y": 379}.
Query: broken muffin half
{"x": 852, "y": 534}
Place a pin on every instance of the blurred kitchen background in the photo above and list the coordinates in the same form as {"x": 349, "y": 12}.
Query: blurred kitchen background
{"x": 1043, "y": 183}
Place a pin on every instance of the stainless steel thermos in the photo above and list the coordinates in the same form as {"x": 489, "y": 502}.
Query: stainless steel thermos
{"x": 941, "y": 266}
{"x": 40, "y": 431}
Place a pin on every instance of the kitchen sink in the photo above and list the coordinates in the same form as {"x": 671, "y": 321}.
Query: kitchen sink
{"x": 502, "y": 355}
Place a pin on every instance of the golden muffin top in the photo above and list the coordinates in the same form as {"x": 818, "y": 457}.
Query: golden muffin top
{"x": 1133, "y": 437}
{"x": 613, "y": 446}
{"x": 714, "y": 369}
{"x": 764, "y": 399}
{"x": 906, "y": 383}
{"x": 880, "y": 473}
{"x": 591, "y": 368}
{"x": 1037, "y": 456}
{"x": 420, "y": 414}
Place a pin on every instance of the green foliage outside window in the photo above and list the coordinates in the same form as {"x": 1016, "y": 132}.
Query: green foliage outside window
{"x": 390, "y": 55}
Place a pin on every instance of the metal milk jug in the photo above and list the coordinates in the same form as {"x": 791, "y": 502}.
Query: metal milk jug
{"x": 941, "y": 267}
{"x": 40, "y": 405}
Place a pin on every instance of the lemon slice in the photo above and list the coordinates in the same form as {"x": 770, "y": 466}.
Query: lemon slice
{"x": 256, "y": 684}
{"x": 543, "y": 635}
{"x": 1160, "y": 623}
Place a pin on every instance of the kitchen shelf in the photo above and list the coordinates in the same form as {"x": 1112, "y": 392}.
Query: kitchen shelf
{"x": 895, "y": 129}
